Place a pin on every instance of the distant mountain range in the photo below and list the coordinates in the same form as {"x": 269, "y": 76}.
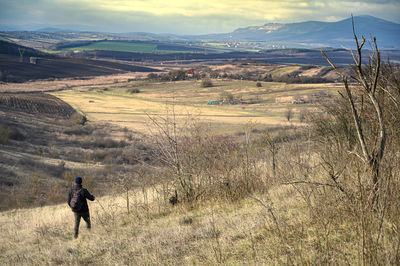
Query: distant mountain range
{"x": 310, "y": 34}
{"x": 46, "y": 28}
{"x": 316, "y": 33}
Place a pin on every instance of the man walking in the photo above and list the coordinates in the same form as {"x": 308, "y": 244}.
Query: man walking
{"x": 77, "y": 201}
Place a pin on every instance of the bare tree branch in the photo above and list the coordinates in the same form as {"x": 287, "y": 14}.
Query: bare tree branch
{"x": 373, "y": 152}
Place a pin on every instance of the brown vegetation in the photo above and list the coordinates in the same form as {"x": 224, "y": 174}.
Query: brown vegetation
{"x": 43, "y": 145}
{"x": 206, "y": 83}
{"x": 323, "y": 194}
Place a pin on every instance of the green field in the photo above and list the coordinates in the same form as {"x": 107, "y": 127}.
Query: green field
{"x": 130, "y": 47}
{"x": 116, "y": 105}
{"x": 122, "y": 47}
{"x": 144, "y": 47}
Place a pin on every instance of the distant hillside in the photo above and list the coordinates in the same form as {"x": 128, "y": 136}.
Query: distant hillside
{"x": 271, "y": 56}
{"x": 316, "y": 33}
{"x": 33, "y": 65}
{"x": 11, "y": 49}
{"x": 51, "y": 29}
{"x": 133, "y": 46}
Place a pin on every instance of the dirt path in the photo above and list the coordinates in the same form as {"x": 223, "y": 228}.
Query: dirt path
{"x": 52, "y": 161}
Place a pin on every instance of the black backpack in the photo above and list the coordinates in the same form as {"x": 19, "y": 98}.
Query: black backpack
{"x": 77, "y": 199}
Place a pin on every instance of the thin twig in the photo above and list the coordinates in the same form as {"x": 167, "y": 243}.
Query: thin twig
{"x": 270, "y": 210}
{"x": 307, "y": 183}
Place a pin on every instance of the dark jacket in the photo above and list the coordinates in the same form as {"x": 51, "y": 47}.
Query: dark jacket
{"x": 85, "y": 207}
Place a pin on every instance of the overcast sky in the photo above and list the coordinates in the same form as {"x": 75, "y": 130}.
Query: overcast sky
{"x": 185, "y": 16}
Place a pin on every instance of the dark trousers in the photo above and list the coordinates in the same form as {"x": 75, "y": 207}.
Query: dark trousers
{"x": 85, "y": 216}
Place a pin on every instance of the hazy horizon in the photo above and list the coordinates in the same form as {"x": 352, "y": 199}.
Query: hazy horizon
{"x": 183, "y": 17}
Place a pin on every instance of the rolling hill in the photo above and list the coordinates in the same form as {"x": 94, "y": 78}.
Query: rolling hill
{"x": 308, "y": 34}
{"x": 33, "y": 65}
{"x": 316, "y": 33}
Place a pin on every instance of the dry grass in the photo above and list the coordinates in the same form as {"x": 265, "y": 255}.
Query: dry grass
{"x": 298, "y": 215}
{"x": 280, "y": 224}
{"x": 284, "y": 70}
{"x": 207, "y": 233}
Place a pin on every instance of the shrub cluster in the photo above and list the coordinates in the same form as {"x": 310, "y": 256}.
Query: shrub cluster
{"x": 133, "y": 90}
{"x": 206, "y": 166}
{"x": 7, "y": 134}
{"x": 206, "y": 83}
{"x": 174, "y": 75}
{"x": 78, "y": 119}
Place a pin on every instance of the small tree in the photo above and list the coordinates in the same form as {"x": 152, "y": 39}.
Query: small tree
{"x": 289, "y": 114}
{"x": 133, "y": 90}
{"x": 273, "y": 148}
{"x": 357, "y": 140}
{"x": 78, "y": 119}
{"x": 372, "y": 144}
{"x": 125, "y": 182}
{"x": 205, "y": 83}
{"x": 21, "y": 51}
{"x": 226, "y": 97}
{"x": 302, "y": 115}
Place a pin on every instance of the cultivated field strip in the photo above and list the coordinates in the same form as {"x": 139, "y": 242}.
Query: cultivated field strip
{"x": 36, "y": 103}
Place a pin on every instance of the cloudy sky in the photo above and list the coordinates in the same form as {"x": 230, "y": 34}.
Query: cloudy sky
{"x": 185, "y": 16}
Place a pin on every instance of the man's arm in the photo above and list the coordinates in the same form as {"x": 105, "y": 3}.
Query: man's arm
{"x": 88, "y": 195}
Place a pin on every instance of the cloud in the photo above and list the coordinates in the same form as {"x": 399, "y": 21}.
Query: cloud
{"x": 186, "y": 16}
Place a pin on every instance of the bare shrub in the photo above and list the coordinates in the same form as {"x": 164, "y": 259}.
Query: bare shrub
{"x": 153, "y": 76}
{"x": 206, "y": 83}
{"x": 9, "y": 133}
{"x": 133, "y": 90}
{"x": 103, "y": 143}
{"x": 55, "y": 170}
{"x": 79, "y": 130}
{"x": 359, "y": 170}
{"x": 289, "y": 114}
{"x": 5, "y": 134}
{"x": 204, "y": 166}
{"x": 173, "y": 75}
{"x": 78, "y": 119}
{"x": 226, "y": 97}
{"x": 302, "y": 115}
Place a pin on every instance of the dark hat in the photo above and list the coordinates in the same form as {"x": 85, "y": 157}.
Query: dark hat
{"x": 78, "y": 180}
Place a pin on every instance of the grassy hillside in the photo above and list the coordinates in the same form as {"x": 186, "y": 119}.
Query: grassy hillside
{"x": 278, "y": 227}
{"x": 285, "y": 195}
{"x": 33, "y": 65}
{"x": 187, "y": 191}
{"x": 155, "y": 233}
{"x": 44, "y": 143}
